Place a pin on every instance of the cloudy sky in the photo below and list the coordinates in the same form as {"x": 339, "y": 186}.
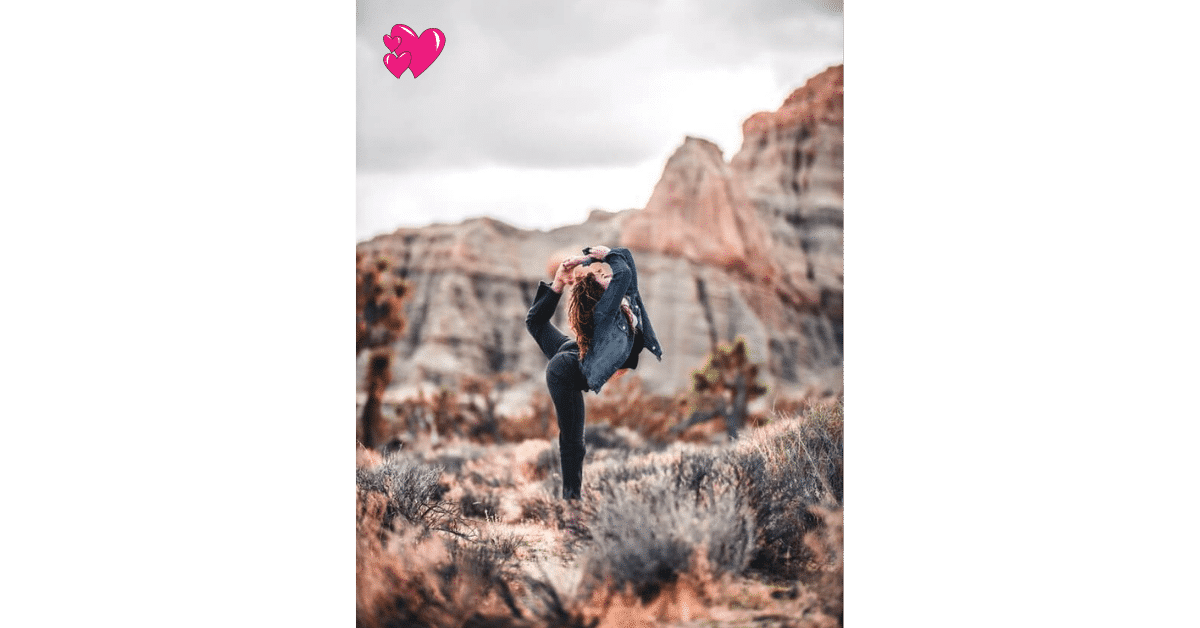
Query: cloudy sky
{"x": 538, "y": 112}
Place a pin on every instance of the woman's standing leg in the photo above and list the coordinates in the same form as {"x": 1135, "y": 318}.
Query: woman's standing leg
{"x": 566, "y": 382}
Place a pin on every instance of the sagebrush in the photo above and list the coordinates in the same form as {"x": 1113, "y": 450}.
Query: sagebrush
{"x": 462, "y": 534}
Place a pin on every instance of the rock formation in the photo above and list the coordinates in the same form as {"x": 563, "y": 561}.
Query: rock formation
{"x": 791, "y": 166}
{"x": 700, "y": 211}
{"x": 752, "y": 248}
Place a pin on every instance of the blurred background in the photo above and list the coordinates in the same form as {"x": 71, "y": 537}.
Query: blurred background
{"x": 704, "y": 136}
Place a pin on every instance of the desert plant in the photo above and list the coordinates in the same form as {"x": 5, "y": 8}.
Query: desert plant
{"x": 605, "y": 436}
{"x": 412, "y": 490}
{"x": 379, "y": 319}
{"x": 786, "y": 470}
{"x": 625, "y": 402}
{"x": 664, "y": 517}
{"x": 724, "y": 387}
{"x": 482, "y": 396}
{"x": 825, "y": 545}
{"x": 680, "y": 525}
{"x": 407, "y": 577}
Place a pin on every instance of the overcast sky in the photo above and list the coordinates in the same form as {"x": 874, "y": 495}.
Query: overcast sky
{"x": 538, "y": 112}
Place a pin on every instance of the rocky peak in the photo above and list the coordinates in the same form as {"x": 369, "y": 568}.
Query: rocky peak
{"x": 699, "y": 211}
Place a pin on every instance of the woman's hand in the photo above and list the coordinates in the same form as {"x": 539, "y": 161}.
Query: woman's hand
{"x": 597, "y": 252}
{"x": 565, "y": 274}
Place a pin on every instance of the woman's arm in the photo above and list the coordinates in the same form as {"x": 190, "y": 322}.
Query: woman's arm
{"x": 620, "y": 260}
{"x": 537, "y": 321}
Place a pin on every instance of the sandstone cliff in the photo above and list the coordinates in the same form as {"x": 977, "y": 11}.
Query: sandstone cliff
{"x": 699, "y": 211}
{"x": 750, "y": 247}
{"x": 791, "y": 166}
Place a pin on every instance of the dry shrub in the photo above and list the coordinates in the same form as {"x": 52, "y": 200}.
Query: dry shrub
{"x": 625, "y": 403}
{"x": 668, "y": 515}
{"x": 453, "y": 455}
{"x": 472, "y": 585}
{"x": 786, "y": 469}
{"x": 540, "y": 508}
{"x": 605, "y": 436}
{"x": 411, "y": 490}
{"x": 392, "y": 591}
{"x": 811, "y": 399}
{"x": 825, "y": 544}
{"x": 479, "y": 505}
{"x": 767, "y": 504}
{"x": 413, "y": 570}
{"x": 494, "y": 482}
{"x": 817, "y": 600}
{"x": 410, "y": 580}
{"x": 660, "y": 534}
{"x": 682, "y": 600}
{"x": 539, "y": 422}
{"x": 470, "y": 411}
{"x": 547, "y": 461}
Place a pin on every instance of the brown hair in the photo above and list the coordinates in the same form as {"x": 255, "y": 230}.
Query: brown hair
{"x": 585, "y": 294}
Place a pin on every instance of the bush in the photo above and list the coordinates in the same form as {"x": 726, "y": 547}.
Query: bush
{"x": 762, "y": 503}
{"x": 408, "y": 576}
{"x": 786, "y": 469}
{"x": 665, "y": 516}
{"x": 677, "y": 526}
{"x": 604, "y": 436}
{"x": 624, "y": 402}
{"x": 411, "y": 490}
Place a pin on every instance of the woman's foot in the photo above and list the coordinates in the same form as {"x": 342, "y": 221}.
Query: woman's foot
{"x": 574, "y": 520}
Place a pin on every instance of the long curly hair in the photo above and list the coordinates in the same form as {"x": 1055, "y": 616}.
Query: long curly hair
{"x": 585, "y": 294}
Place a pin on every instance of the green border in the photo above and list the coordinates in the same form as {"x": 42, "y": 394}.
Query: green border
{"x": 183, "y": 252}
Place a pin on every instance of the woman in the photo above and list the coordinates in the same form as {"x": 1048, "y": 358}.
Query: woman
{"x": 611, "y": 328}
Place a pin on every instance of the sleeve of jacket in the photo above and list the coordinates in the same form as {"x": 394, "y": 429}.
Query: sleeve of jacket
{"x": 537, "y": 321}
{"x": 624, "y": 277}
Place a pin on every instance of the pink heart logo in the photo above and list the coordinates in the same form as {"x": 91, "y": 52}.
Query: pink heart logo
{"x": 425, "y": 48}
{"x": 397, "y": 63}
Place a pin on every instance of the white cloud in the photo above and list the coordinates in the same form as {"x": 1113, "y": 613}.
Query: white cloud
{"x": 531, "y": 198}
{"x": 600, "y": 87}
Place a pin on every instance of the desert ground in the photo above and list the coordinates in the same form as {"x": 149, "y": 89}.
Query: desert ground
{"x": 459, "y": 521}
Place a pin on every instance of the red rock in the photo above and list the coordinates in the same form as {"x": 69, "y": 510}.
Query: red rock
{"x": 752, "y": 248}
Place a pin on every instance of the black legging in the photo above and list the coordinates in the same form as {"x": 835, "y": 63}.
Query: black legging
{"x": 565, "y": 380}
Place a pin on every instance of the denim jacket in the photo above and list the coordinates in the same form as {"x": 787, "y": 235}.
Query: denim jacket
{"x": 612, "y": 339}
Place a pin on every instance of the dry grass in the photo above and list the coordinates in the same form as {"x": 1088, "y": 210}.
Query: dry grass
{"x": 739, "y": 533}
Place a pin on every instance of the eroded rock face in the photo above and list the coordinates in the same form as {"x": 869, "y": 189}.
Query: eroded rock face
{"x": 700, "y": 211}
{"x": 791, "y": 166}
{"x": 748, "y": 248}
{"x": 472, "y": 284}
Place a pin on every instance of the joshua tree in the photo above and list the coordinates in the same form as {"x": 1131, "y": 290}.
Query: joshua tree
{"x": 378, "y": 322}
{"x": 486, "y": 390}
{"x": 727, "y": 383}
